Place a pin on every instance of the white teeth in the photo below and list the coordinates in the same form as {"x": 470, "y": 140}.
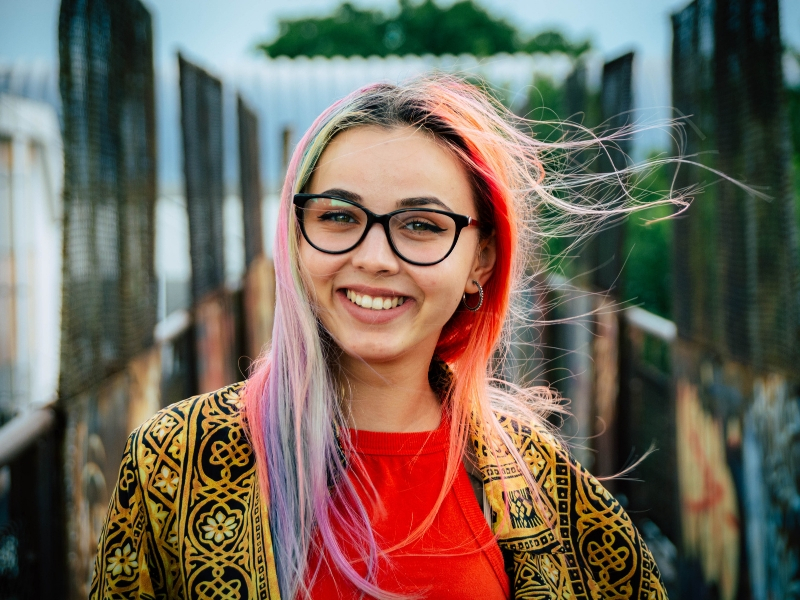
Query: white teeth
{"x": 376, "y": 303}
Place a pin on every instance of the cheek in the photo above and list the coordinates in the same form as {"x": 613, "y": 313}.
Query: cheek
{"x": 443, "y": 290}
{"x": 321, "y": 267}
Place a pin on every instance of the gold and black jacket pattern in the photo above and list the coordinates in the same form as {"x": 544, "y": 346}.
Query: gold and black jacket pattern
{"x": 187, "y": 519}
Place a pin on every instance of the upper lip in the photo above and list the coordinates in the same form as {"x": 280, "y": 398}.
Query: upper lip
{"x": 373, "y": 291}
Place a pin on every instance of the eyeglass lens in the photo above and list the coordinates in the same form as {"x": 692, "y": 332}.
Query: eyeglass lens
{"x": 418, "y": 235}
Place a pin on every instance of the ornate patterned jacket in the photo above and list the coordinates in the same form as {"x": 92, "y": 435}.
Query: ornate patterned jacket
{"x": 187, "y": 519}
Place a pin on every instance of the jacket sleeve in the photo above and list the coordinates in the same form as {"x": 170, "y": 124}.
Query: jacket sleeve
{"x": 574, "y": 539}
{"x": 127, "y": 563}
{"x": 610, "y": 552}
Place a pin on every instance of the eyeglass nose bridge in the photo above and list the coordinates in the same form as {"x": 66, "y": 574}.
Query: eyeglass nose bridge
{"x": 383, "y": 220}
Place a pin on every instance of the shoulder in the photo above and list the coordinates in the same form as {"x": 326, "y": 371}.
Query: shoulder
{"x": 186, "y": 486}
{"x": 196, "y": 445}
{"x": 176, "y": 437}
{"x": 224, "y": 402}
{"x": 197, "y": 415}
{"x": 565, "y": 485}
{"x": 551, "y": 463}
{"x": 532, "y": 439}
{"x": 592, "y": 528}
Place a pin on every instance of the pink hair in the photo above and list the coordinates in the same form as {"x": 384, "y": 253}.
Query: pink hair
{"x": 292, "y": 403}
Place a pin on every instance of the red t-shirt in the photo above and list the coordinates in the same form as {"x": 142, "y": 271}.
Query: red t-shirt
{"x": 456, "y": 559}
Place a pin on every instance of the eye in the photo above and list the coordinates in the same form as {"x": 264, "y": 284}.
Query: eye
{"x": 422, "y": 226}
{"x": 338, "y": 217}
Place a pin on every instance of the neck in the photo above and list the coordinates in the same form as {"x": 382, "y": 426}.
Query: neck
{"x": 392, "y": 396}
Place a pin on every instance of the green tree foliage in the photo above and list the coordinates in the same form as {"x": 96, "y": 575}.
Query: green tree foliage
{"x": 548, "y": 42}
{"x": 647, "y": 276}
{"x": 417, "y": 28}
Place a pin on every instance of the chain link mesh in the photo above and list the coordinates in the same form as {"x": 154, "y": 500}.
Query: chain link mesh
{"x": 109, "y": 288}
{"x": 736, "y": 261}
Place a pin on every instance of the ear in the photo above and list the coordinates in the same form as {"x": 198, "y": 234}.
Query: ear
{"x": 483, "y": 265}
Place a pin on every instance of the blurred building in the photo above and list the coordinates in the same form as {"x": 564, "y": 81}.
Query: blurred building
{"x": 31, "y": 183}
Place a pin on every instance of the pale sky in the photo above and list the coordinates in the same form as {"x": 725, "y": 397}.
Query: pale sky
{"x": 223, "y": 32}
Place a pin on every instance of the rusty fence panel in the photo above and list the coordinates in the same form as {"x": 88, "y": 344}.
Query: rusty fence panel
{"x": 694, "y": 276}
{"x": 258, "y": 293}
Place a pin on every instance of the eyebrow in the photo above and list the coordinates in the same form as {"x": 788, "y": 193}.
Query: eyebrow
{"x": 404, "y": 203}
{"x": 422, "y": 201}
{"x": 352, "y": 196}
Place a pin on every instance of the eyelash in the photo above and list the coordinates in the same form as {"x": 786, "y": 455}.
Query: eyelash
{"x": 329, "y": 216}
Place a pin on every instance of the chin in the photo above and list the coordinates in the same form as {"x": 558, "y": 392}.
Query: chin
{"x": 372, "y": 354}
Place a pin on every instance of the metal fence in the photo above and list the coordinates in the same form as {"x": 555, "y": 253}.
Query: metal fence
{"x": 737, "y": 265}
{"x": 58, "y": 465}
{"x": 201, "y": 123}
{"x": 259, "y": 280}
{"x": 734, "y": 366}
{"x": 109, "y": 289}
{"x": 109, "y": 368}
{"x": 693, "y": 274}
{"x": 250, "y": 177}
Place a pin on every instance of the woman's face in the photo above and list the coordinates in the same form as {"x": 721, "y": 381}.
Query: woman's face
{"x": 383, "y": 169}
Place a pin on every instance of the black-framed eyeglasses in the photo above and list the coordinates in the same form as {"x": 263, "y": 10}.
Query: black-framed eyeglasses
{"x": 419, "y": 236}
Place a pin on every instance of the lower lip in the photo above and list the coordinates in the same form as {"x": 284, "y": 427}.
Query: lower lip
{"x": 370, "y": 316}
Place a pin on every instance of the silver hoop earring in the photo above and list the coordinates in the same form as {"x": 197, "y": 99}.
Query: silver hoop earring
{"x": 480, "y": 298}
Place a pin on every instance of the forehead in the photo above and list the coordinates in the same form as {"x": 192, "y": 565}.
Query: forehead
{"x": 385, "y": 166}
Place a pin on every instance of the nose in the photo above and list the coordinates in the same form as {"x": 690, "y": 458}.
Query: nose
{"x": 375, "y": 254}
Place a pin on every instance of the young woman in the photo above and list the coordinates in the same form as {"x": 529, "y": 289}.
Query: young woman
{"x": 371, "y": 454}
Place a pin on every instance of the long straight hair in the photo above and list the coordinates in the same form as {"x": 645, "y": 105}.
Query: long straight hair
{"x": 293, "y": 401}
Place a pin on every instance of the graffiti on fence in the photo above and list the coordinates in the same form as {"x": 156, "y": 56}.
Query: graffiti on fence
{"x": 708, "y": 495}
{"x": 771, "y": 453}
{"x": 98, "y": 424}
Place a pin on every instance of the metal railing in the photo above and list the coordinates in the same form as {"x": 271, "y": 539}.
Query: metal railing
{"x": 32, "y": 532}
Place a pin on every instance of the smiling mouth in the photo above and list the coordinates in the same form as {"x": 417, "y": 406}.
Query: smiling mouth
{"x": 375, "y": 302}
